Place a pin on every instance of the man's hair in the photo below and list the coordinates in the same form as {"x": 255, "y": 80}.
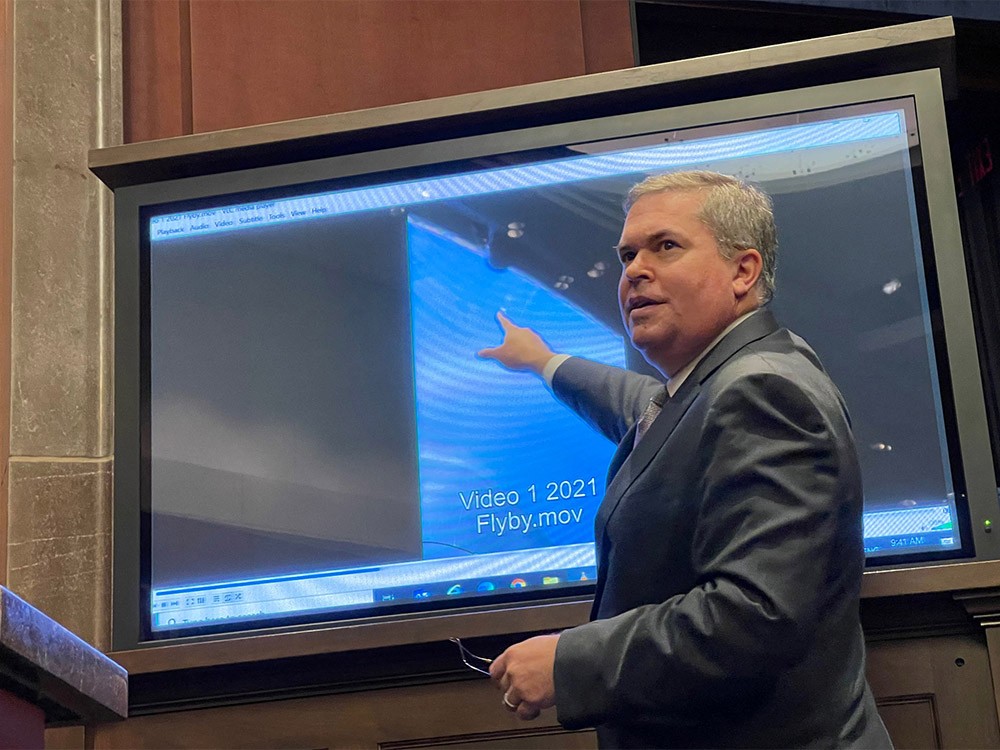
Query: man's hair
{"x": 739, "y": 215}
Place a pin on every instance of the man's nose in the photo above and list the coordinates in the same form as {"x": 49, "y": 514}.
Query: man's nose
{"x": 637, "y": 268}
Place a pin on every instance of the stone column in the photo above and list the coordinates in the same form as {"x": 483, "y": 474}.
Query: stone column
{"x": 67, "y": 100}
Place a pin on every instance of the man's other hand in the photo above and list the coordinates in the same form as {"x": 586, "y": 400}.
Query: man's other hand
{"x": 524, "y": 673}
{"x": 522, "y": 349}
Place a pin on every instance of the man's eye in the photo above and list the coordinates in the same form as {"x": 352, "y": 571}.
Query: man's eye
{"x": 668, "y": 244}
{"x": 627, "y": 257}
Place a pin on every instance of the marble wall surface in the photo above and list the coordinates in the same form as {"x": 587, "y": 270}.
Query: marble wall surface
{"x": 67, "y": 100}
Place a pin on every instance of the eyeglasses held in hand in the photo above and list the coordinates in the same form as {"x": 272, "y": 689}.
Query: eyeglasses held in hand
{"x": 476, "y": 663}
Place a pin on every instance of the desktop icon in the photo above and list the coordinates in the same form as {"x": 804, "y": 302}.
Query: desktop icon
{"x": 550, "y": 580}
{"x": 518, "y": 583}
{"x": 454, "y": 590}
{"x": 421, "y": 594}
{"x": 388, "y": 597}
{"x": 485, "y": 586}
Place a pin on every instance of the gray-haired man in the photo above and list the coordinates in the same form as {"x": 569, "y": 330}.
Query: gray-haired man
{"x": 729, "y": 539}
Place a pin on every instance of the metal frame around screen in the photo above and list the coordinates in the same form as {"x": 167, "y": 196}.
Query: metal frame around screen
{"x": 923, "y": 86}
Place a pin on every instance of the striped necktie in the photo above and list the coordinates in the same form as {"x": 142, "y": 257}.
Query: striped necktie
{"x": 650, "y": 413}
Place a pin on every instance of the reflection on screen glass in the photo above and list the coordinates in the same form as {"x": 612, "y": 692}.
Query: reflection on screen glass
{"x": 324, "y": 440}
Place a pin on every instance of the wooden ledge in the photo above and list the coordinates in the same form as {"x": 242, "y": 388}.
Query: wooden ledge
{"x": 930, "y": 579}
{"x": 269, "y": 645}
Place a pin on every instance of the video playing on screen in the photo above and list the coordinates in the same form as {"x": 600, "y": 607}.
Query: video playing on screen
{"x": 325, "y": 442}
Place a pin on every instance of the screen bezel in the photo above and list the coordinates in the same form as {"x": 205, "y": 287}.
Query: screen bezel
{"x": 132, "y": 459}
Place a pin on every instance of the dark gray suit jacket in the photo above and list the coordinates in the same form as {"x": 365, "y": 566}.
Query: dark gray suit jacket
{"x": 730, "y": 556}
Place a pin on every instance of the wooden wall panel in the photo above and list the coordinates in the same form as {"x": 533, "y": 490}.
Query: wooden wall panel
{"x": 935, "y": 691}
{"x": 6, "y": 249}
{"x": 156, "y": 69}
{"x": 281, "y": 59}
{"x": 607, "y": 35}
{"x": 462, "y": 714}
{"x": 912, "y": 722}
{"x": 23, "y": 723}
{"x": 66, "y": 738}
{"x": 203, "y": 65}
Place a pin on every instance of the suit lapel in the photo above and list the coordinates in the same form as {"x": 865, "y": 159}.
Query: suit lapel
{"x": 757, "y": 326}
{"x": 629, "y": 464}
{"x": 634, "y": 462}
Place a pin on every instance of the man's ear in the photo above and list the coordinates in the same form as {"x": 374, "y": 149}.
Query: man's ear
{"x": 747, "y": 268}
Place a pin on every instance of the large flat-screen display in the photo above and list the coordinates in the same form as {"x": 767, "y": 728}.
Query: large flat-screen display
{"x": 320, "y": 440}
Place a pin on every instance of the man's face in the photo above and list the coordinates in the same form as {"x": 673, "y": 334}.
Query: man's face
{"x": 676, "y": 290}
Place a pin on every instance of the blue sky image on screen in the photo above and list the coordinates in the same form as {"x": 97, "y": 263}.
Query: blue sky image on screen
{"x": 483, "y": 429}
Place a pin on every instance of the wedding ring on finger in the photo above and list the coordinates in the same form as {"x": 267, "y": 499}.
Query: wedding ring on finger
{"x": 508, "y": 704}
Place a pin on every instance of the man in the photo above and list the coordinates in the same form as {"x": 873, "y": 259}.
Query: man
{"x": 729, "y": 539}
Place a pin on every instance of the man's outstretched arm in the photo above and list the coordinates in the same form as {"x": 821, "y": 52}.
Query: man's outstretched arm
{"x": 610, "y": 399}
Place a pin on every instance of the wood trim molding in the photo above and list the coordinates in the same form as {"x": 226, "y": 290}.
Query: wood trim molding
{"x": 353, "y": 637}
{"x": 983, "y": 604}
{"x": 929, "y": 579}
{"x": 6, "y": 250}
{"x": 186, "y": 75}
{"x": 539, "y": 736}
{"x": 993, "y": 648}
